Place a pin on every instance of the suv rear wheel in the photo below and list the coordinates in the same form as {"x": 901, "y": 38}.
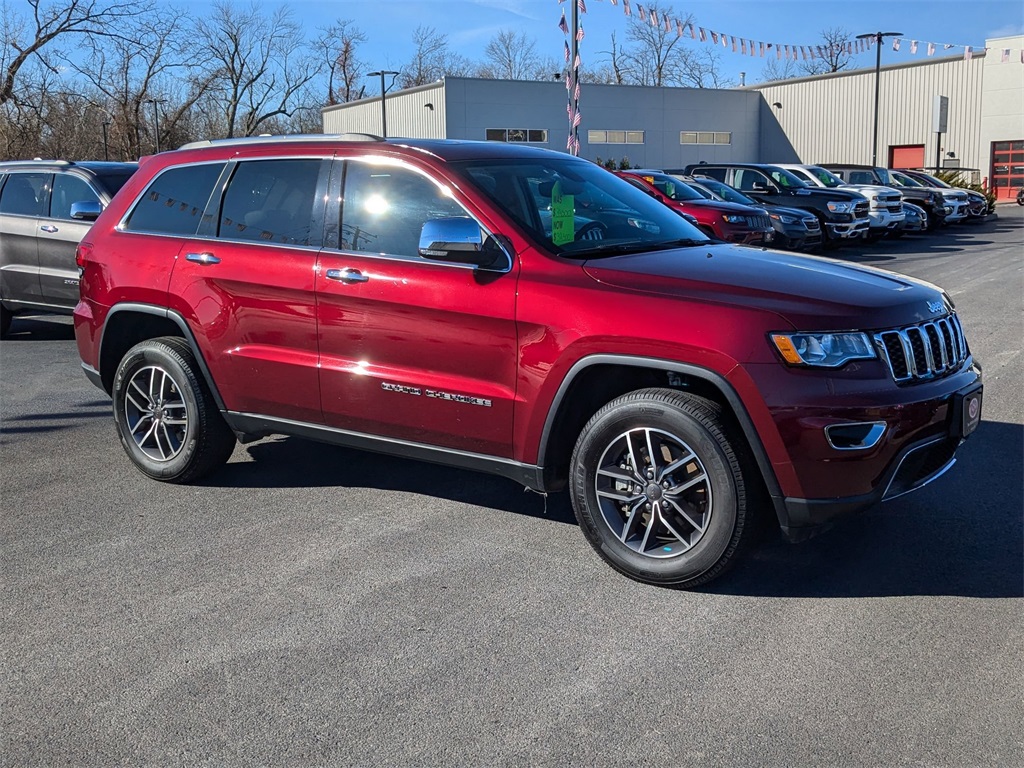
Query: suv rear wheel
{"x": 659, "y": 487}
{"x": 167, "y": 419}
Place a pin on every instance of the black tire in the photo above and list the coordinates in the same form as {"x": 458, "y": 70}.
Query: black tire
{"x": 167, "y": 419}
{"x": 6, "y": 316}
{"x": 701, "y": 513}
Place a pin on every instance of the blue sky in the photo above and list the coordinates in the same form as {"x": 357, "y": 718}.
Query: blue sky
{"x": 469, "y": 24}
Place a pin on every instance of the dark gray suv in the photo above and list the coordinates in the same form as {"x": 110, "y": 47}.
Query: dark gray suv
{"x": 46, "y": 207}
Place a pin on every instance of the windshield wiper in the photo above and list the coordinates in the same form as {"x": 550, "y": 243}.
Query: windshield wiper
{"x": 635, "y": 246}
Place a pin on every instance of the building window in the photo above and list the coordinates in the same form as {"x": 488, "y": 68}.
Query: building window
{"x": 705, "y": 137}
{"x": 524, "y": 135}
{"x": 615, "y": 137}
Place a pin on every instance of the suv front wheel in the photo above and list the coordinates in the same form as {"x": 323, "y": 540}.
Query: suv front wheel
{"x": 659, "y": 487}
{"x": 167, "y": 419}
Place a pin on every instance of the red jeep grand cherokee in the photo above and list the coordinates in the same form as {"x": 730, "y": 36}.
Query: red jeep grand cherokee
{"x": 520, "y": 312}
{"x": 731, "y": 222}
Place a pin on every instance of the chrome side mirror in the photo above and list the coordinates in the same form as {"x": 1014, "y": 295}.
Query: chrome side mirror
{"x": 461, "y": 240}
{"x": 86, "y": 210}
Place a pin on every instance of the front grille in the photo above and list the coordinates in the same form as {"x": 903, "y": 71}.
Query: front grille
{"x": 925, "y": 351}
{"x": 812, "y": 224}
{"x": 760, "y": 222}
{"x": 894, "y": 207}
{"x": 861, "y": 209}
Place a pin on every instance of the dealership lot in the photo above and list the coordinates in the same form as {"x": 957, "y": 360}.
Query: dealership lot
{"x": 319, "y": 605}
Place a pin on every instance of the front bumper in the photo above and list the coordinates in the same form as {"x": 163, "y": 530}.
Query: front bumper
{"x": 883, "y": 221}
{"x": 924, "y": 425}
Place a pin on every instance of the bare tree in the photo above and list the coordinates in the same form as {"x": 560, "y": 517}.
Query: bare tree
{"x": 338, "y": 47}
{"x": 613, "y": 72}
{"x": 832, "y": 55}
{"x": 511, "y": 55}
{"x": 432, "y": 60}
{"x": 257, "y": 65}
{"x": 50, "y": 23}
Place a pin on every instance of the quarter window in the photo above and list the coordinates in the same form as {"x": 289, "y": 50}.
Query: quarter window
{"x": 67, "y": 190}
{"x": 24, "y": 194}
{"x": 384, "y": 207}
{"x": 174, "y": 203}
{"x": 270, "y": 201}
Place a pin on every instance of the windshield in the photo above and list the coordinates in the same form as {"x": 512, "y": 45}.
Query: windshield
{"x": 720, "y": 190}
{"x": 902, "y": 180}
{"x": 575, "y": 208}
{"x": 827, "y": 178}
{"x": 928, "y": 178}
{"x": 784, "y": 178}
{"x": 112, "y": 182}
{"x": 670, "y": 187}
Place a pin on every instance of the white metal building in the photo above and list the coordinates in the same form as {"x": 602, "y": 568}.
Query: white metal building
{"x": 828, "y": 118}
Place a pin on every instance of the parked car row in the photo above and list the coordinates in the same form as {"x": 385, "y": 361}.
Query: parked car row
{"x": 809, "y": 206}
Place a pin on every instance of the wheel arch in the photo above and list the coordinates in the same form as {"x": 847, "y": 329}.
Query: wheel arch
{"x": 128, "y": 324}
{"x": 595, "y": 380}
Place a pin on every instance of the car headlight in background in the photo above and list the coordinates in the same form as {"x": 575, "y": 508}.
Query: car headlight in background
{"x": 840, "y": 207}
{"x": 732, "y": 218}
{"x": 823, "y": 350}
{"x": 783, "y": 218}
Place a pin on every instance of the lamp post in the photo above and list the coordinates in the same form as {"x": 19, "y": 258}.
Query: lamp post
{"x": 878, "y": 38}
{"x": 383, "y": 92}
{"x": 156, "y": 120}
{"x": 106, "y": 153}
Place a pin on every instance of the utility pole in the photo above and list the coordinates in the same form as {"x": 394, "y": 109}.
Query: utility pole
{"x": 878, "y": 38}
{"x": 383, "y": 92}
{"x": 156, "y": 120}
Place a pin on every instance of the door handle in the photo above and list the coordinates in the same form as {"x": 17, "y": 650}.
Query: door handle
{"x": 49, "y": 228}
{"x": 348, "y": 276}
{"x": 202, "y": 258}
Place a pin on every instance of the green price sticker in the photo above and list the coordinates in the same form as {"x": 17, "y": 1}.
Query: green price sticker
{"x": 563, "y": 216}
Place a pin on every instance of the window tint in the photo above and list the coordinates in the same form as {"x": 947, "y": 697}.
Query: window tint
{"x": 67, "y": 190}
{"x": 270, "y": 201}
{"x": 174, "y": 202}
{"x": 384, "y": 207}
{"x": 25, "y": 194}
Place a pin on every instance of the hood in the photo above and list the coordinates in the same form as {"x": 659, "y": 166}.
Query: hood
{"x": 874, "y": 190}
{"x": 808, "y": 292}
{"x": 799, "y": 213}
{"x": 830, "y": 194}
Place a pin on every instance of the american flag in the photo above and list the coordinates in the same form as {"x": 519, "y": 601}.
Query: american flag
{"x": 562, "y": 25}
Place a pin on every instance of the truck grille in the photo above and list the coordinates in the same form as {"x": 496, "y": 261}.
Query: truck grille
{"x": 861, "y": 210}
{"x": 925, "y": 351}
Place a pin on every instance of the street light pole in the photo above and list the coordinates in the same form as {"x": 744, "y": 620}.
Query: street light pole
{"x": 106, "y": 153}
{"x": 383, "y": 92}
{"x": 156, "y": 120}
{"x": 878, "y": 38}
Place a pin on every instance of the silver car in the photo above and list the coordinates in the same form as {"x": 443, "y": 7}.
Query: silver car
{"x": 46, "y": 207}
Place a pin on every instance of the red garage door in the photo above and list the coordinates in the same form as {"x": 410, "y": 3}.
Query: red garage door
{"x": 910, "y": 156}
{"x": 1007, "y": 168}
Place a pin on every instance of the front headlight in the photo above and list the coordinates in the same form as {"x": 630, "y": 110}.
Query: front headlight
{"x": 840, "y": 207}
{"x": 823, "y": 350}
{"x": 732, "y": 218}
{"x": 783, "y": 218}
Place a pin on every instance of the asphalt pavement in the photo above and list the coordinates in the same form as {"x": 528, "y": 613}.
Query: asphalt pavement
{"x": 310, "y": 605}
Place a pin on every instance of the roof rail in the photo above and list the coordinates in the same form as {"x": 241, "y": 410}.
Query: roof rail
{"x": 294, "y": 137}
{"x": 37, "y": 161}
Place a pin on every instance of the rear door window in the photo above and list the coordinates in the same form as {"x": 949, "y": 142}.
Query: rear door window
{"x": 25, "y": 194}
{"x": 174, "y": 202}
{"x": 271, "y": 201}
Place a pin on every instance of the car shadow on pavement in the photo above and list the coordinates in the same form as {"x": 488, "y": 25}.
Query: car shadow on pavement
{"x": 961, "y": 535}
{"x": 41, "y": 328}
{"x": 292, "y": 462}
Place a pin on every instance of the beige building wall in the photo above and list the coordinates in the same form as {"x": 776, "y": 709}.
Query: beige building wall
{"x": 830, "y": 118}
{"x": 1002, "y": 108}
{"x": 418, "y": 112}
